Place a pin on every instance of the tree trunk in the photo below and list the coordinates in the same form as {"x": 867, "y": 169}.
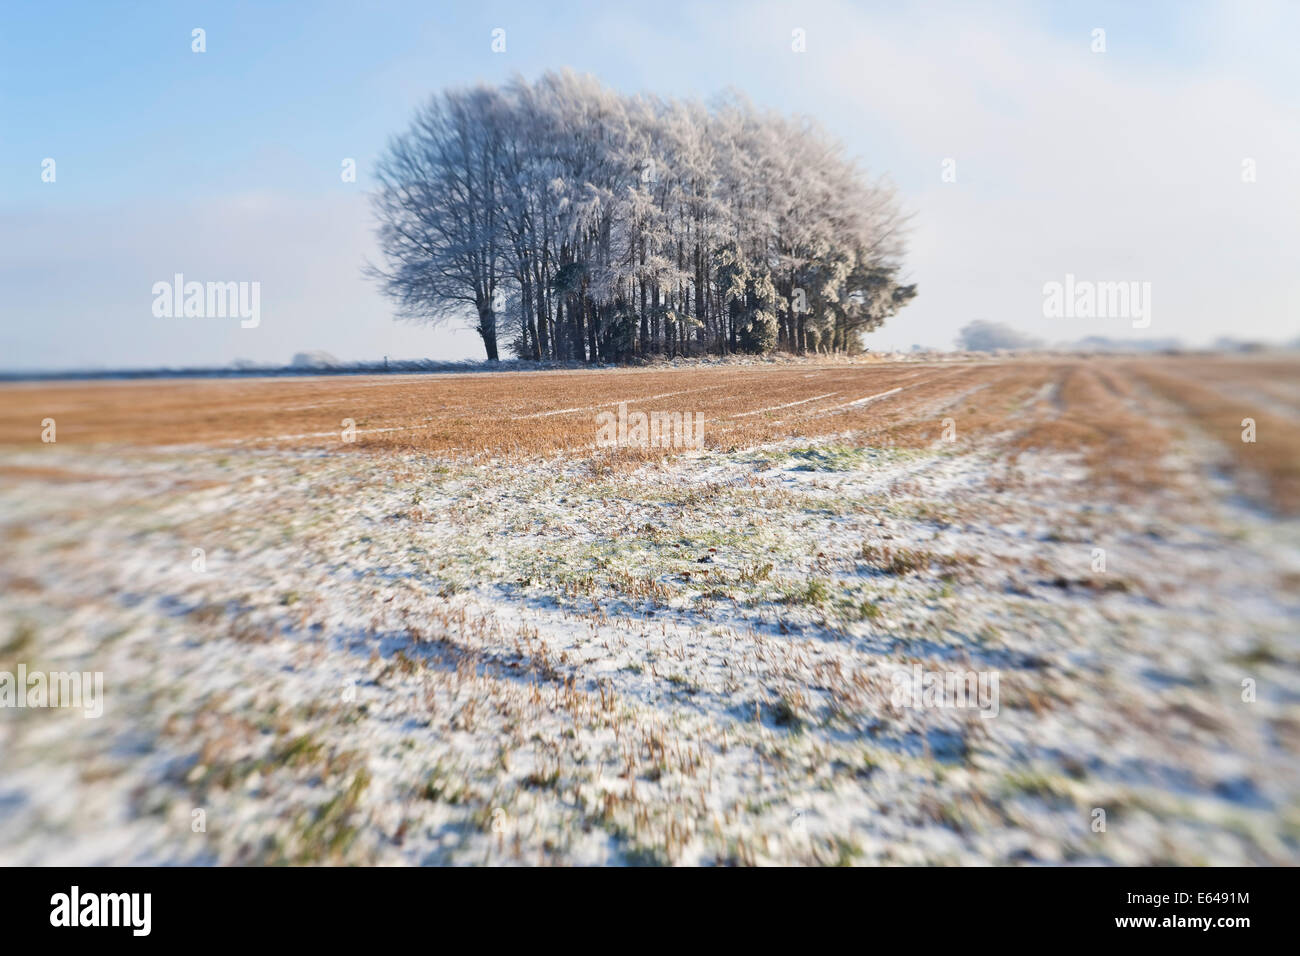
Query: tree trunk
{"x": 700, "y": 316}
{"x": 645, "y": 319}
{"x": 487, "y": 328}
{"x": 560, "y": 345}
{"x": 526, "y": 316}
{"x": 654, "y": 307}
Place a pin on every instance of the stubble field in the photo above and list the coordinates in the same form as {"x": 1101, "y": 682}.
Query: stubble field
{"x": 456, "y": 631}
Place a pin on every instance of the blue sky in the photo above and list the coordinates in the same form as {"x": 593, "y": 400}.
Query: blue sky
{"x": 225, "y": 165}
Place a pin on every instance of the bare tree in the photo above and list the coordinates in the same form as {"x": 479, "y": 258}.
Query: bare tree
{"x": 438, "y": 205}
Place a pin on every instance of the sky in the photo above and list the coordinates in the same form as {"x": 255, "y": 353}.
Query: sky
{"x": 1127, "y": 164}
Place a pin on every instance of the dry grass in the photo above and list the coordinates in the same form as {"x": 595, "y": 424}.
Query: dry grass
{"x": 1213, "y": 408}
{"x": 1112, "y": 411}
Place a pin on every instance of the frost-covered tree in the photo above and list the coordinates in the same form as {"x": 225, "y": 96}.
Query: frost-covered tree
{"x": 984, "y": 336}
{"x": 591, "y": 226}
{"x": 439, "y": 210}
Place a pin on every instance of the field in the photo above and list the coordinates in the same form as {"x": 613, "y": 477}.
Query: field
{"x": 426, "y": 619}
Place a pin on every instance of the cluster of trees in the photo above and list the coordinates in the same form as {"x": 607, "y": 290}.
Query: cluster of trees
{"x": 578, "y": 224}
{"x": 985, "y": 336}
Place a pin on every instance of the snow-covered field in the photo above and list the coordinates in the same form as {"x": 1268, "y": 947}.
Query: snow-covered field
{"x": 414, "y": 658}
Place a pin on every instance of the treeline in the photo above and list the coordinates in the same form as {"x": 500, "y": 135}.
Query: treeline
{"x": 579, "y": 224}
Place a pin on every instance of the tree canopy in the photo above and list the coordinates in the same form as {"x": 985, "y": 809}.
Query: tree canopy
{"x": 574, "y": 223}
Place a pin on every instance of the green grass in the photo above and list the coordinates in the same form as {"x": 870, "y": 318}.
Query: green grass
{"x": 829, "y": 458}
{"x": 814, "y": 592}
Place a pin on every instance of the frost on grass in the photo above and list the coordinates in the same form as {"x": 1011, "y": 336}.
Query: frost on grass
{"x": 410, "y": 659}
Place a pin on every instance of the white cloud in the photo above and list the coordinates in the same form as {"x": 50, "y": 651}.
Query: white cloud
{"x": 1091, "y": 164}
{"x": 1122, "y": 165}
